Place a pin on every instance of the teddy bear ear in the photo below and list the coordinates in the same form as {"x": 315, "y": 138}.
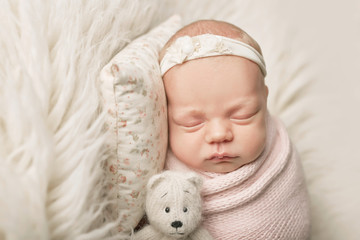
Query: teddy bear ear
{"x": 155, "y": 180}
{"x": 195, "y": 179}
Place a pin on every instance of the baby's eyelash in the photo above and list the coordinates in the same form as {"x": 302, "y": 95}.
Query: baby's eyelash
{"x": 241, "y": 117}
{"x": 244, "y": 117}
{"x": 192, "y": 125}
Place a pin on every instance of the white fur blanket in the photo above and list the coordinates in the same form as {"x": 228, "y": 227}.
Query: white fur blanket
{"x": 51, "y": 138}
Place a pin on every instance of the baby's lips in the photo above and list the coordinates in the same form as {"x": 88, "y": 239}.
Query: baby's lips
{"x": 220, "y": 156}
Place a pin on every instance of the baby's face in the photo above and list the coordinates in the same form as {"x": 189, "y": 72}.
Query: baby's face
{"x": 217, "y": 112}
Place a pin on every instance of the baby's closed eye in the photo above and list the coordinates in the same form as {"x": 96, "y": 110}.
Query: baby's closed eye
{"x": 243, "y": 117}
{"x": 191, "y": 124}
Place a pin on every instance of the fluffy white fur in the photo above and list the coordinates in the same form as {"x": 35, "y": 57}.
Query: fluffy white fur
{"x": 51, "y": 139}
{"x": 52, "y": 185}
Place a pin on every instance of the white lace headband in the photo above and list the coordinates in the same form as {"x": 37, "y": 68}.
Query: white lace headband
{"x": 188, "y": 48}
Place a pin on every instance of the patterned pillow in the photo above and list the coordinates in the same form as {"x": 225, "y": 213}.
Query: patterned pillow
{"x": 134, "y": 97}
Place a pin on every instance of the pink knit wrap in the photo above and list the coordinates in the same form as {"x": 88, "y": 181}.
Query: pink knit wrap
{"x": 266, "y": 199}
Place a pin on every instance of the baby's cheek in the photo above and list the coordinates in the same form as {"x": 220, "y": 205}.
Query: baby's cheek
{"x": 253, "y": 141}
{"x": 174, "y": 138}
{"x": 259, "y": 141}
{"x": 185, "y": 147}
{"x": 179, "y": 140}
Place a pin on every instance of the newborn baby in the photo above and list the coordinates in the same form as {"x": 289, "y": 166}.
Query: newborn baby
{"x": 219, "y": 127}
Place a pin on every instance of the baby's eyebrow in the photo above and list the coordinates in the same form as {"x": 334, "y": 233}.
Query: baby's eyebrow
{"x": 163, "y": 195}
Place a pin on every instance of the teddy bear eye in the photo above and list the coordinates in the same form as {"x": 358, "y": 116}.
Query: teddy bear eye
{"x": 185, "y": 209}
{"x": 167, "y": 209}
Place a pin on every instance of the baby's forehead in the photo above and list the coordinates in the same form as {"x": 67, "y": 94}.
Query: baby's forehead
{"x": 225, "y": 67}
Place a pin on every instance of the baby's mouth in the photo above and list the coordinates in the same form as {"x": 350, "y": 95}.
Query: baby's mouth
{"x": 221, "y": 157}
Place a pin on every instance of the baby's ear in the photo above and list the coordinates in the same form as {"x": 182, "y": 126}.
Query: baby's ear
{"x": 155, "y": 180}
{"x": 195, "y": 179}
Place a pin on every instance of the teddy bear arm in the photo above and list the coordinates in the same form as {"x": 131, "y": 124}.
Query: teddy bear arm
{"x": 147, "y": 233}
{"x": 200, "y": 234}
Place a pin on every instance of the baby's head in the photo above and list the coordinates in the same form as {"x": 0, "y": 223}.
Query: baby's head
{"x": 217, "y": 98}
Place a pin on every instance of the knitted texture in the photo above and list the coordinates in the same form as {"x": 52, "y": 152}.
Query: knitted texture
{"x": 266, "y": 199}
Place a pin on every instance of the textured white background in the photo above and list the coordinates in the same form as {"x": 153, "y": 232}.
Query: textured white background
{"x": 51, "y": 53}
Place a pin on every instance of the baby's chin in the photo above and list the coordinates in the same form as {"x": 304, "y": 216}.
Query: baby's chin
{"x": 223, "y": 166}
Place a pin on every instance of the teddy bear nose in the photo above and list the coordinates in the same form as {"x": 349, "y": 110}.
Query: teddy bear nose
{"x": 176, "y": 224}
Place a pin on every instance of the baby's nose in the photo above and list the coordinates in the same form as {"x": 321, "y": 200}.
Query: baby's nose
{"x": 218, "y": 131}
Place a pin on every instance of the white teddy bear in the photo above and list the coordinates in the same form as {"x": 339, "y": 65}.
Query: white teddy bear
{"x": 173, "y": 208}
